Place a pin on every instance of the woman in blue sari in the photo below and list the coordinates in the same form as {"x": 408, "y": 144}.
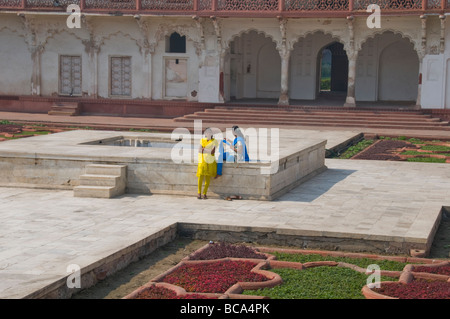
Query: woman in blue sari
{"x": 239, "y": 147}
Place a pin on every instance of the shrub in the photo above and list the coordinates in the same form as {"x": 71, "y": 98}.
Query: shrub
{"x": 417, "y": 289}
{"x": 223, "y": 250}
{"x": 155, "y": 292}
{"x": 214, "y": 277}
{"x": 441, "y": 270}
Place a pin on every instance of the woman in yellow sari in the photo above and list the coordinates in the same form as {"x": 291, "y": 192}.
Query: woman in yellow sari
{"x": 207, "y": 166}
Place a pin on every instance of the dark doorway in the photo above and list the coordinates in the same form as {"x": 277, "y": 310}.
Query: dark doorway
{"x": 333, "y": 68}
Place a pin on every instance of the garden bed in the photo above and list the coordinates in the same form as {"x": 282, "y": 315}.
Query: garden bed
{"x": 10, "y": 131}
{"x": 430, "y": 281}
{"x": 294, "y": 274}
{"x": 400, "y": 149}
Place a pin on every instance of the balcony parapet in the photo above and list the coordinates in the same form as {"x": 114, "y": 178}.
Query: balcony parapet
{"x": 233, "y": 8}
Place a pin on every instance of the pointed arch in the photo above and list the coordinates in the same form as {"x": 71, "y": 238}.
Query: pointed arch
{"x": 228, "y": 42}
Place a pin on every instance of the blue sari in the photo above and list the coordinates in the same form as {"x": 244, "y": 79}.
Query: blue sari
{"x": 227, "y": 157}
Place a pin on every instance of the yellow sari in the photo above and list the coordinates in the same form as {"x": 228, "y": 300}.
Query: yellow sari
{"x": 207, "y": 165}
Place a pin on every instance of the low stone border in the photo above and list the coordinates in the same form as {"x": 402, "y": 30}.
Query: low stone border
{"x": 178, "y": 290}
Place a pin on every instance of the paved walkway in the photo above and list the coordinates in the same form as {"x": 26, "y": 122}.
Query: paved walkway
{"x": 44, "y": 231}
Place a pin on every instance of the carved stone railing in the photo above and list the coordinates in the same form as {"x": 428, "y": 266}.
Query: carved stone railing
{"x": 250, "y": 8}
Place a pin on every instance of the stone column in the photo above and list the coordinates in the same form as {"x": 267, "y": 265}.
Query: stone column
{"x": 442, "y": 40}
{"x": 36, "y": 52}
{"x": 147, "y": 50}
{"x": 93, "y": 49}
{"x": 285, "y": 54}
{"x": 419, "y": 89}
{"x": 352, "y": 55}
{"x": 421, "y": 54}
{"x": 284, "y": 94}
{"x": 222, "y": 54}
{"x": 350, "y": 101}
{"x": 36, "y": 48}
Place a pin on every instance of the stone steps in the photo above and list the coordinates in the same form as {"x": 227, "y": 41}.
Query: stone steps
{"x": 319, "y": 117}
{"x": 102, "y": 181}
{"x": 318, "y": 114}
{"x": 65, "y": 109}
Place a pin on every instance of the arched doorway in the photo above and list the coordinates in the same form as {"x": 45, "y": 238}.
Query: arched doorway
{"x": 333, "y": 69}
{"x": 252, "y": 68}
{"x": 387, "y": 70}
{"x": 318, "y": 70}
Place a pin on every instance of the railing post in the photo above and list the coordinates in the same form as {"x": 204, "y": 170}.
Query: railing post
{"x": 196, "y": 5}
{"x": 82, "y": 4}
{"x": 351, "y": 5}
{"x": 424, "y": 5}
{"x": 281, "y": 5}
{"x": 443, "y": 4}
{"x": 214, "y": 5}
{"x": 24, "y": 4}
{"x": 138, "y": 5}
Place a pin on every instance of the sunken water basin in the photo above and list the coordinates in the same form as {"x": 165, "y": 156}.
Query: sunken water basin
{"x": 57, "y": 161}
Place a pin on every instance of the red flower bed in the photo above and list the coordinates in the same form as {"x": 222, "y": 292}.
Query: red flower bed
{"x": 417, "y": 289}
{"x": 155, "y": 292}
{"x": 223, "y": 250}
{"x": 214, "y": 277}
{"x": 442, "y": 270}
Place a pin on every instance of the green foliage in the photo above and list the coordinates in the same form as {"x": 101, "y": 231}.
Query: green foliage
{"x": 416, "y": 141}
{"x": 353, "y": 150}
{"x": 436, "y": 148}
{"x": 317, "y": 283}
{"x": 361, "y": 262}
{"x": 426, "y": 159}
{"x": 414, "y": 153}
{"x": 325, "y": 84}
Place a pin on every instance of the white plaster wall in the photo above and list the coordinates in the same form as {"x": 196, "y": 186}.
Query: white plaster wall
{"x": 209, "y": 69}
{"x": 15, "y": 64}
{"x": 158, "y": 70}
{"x": 398, "y": 73}
{"x": 269, "y": 71}
{"x": 433, "y": 81}
{"x": 62, "y": 43}
{"x": 121, "y": 45}
{"x": 366, "y": 83}
{"x": 445, "y": 70}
